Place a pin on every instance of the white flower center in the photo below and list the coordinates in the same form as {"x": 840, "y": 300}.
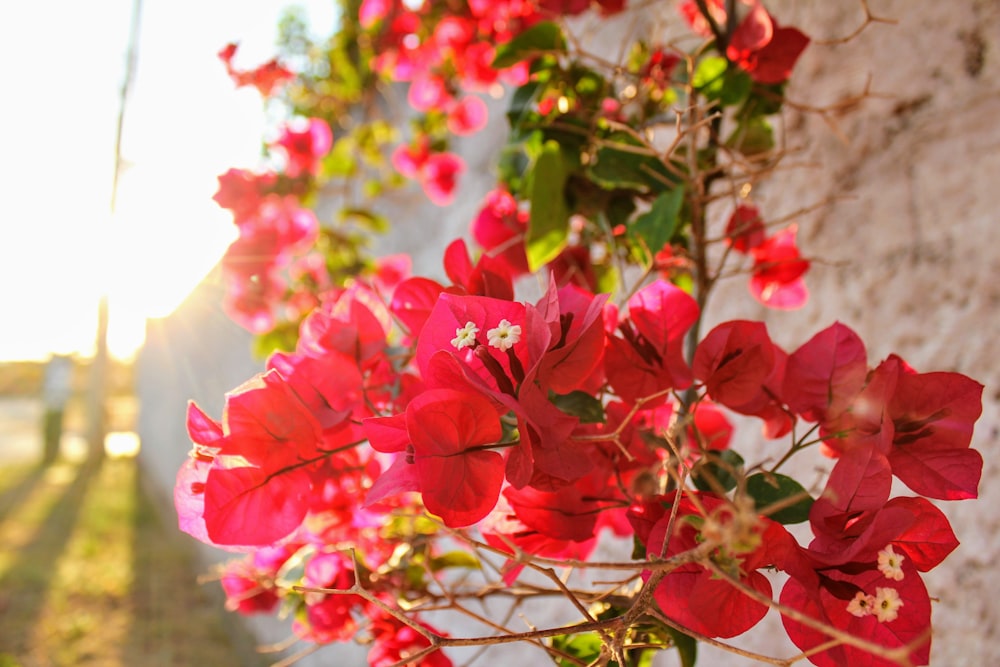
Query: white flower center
{"x": 887, "y": 604}
{"x": 891, "y": 564}
{"x": 504, "y": 336}
{"x": 465, "y": 336}
{"x": 861, "y": 605}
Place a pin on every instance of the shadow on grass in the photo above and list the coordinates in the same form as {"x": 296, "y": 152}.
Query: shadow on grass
{"x": 25, "y": 584}
{"x": 14, "y": 495}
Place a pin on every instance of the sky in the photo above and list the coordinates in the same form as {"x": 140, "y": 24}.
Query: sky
{"x": 63, "y": 65}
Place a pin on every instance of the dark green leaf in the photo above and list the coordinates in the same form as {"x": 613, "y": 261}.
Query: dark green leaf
{"x": 580, "y": 404}
{"x": 752, "y": 137}
{"x": 769, "y": 488}
{"x": 719, "y": 466}
{"x": 654, "y": 228}
{"x": 543, "y": 36}
{"x": 686, "y": 645}
{"x": 548, "y": 228}
{"x": 623, "y": 162}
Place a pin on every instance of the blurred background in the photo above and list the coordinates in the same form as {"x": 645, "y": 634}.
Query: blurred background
{"x": 115, "y": 120}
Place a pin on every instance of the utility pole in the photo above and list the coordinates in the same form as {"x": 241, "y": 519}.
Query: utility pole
{"x": 98, "y": 390}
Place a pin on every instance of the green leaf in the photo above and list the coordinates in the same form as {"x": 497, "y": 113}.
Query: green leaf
{"x": 454, "y": 559}
{"x": 580, "y": 404}
{"x": 655, "y": 227}
{"x": 584, "y": 647}
{"x": 548, "y": 228}
{"x": 752, "y": 136}
{"x": 369, "y": 219}
{"x": 718, "y": 80}
{"x": 722, "y": 467}
{"x": 623, "y": 162}
{"x": 543, "y": 36}
{"x": 686, "y": 645}
{"x": 769, "y": 488}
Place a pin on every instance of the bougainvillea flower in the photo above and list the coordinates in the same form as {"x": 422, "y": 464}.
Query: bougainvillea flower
{"x": 488, "y": 276}
{"x": 735, "y": 361}
{"x": 305, "y": 148}
{"x": 440, "y": 175}
{"x": 265, "y": 78}
{"x": 766, "y": 51}
{"x": 258, "y": 471}
{"x": 745, "y": 228}
{"x": 458, "y": 478}
{"x": 242, "y": 191}
{"x": 933, "y": 416}
{"x": 648, "y": 357}
{"x": 189, "y": 488}
{"x": 467, "y": 116}
{"x": 248, "y": 591}
{"x": 503, "y": 528}
{"x": 691, "y": 594}
{"x": 823, "y": 376}
{"x": 409, "y": 159}
{"x": 572, "y": 359}
{"x": 354, "y": 324}
{"x": 778, "y": 268}
{"x": 328, "y": 617}
{"x": 500, "y": 228}
{"x": 373, "y": 11}
{"x": 922, "y": 422}
{"x": 427, "y": 93}
{"x": 460, "y": 326}
{"x": 899, "y": 614}
{"x": 394, "y": 641}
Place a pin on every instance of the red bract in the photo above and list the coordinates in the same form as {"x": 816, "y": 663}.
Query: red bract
{"x": 767, "y": 52}
{"x": 901, "y": 614}
{"x": 691, "y": 594}
{"x": 736, "y": 360}
{"x": 468, "y": 116}
{"x": 778, "y": 268}
{"x": 444, "y": 438}
{"x": 933, "y": 416}
{"x": 461, "y": 326}
{"x": 256, "y": 491}
{"x": 745, "y": 229}
{"x": 503, "y": 528}
{"x": 922, "y": 423}
{"x": 500, "y": 228}
{"x": 824, "y": 376}
{"x": 573, "y": 358}
{"x": 439, "y": 177}
{"x": 354, "y": 324}
{"x": 395, "y": 641}
{"x": 242, "y": 191}
{"x": 304, "y": 148}
{"x": 265, "y": 78}
{"x": 328, "y": 617}
{"x": 648, "y": 357}
{"x": 248, "y": 591}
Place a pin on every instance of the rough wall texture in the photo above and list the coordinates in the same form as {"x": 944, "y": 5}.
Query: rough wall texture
{"x": 907, "y": 253}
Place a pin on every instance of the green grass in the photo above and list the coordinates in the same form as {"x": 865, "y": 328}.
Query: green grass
{"x": 89, "y": 575}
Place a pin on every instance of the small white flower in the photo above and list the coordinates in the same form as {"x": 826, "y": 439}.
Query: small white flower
{"x": 465, "y": 336}
{"x": 891, "y": 564}
{"x": 861, "y": 605}
{"x": 504, "y": 336}
{"x": 887, "y": 604}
